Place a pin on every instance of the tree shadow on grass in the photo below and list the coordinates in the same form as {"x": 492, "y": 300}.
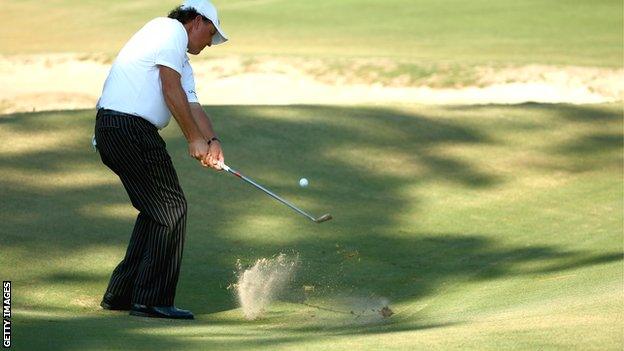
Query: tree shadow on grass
{"x": 598, "y": 136}
{"x": 115, "y": 331}
{"x": 359, "y": 160}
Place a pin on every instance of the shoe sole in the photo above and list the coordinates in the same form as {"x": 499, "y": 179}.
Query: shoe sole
{"x": 109, "y": 307}
{"x": 150, "y": 315}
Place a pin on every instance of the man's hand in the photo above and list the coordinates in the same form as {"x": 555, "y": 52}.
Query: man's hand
{"x": 214, "y": 158}
{"x": 198, "y": 149}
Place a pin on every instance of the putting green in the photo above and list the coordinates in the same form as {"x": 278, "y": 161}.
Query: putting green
{"x": 486, "y": 227}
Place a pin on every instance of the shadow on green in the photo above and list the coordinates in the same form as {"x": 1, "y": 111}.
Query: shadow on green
{"x": 349, "y": 155}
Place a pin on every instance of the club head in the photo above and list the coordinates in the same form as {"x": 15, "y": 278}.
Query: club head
{"x": 323, "y": 218}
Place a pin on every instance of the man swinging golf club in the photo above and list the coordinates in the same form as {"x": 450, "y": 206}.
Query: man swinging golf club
{"x": 150, "y": 80}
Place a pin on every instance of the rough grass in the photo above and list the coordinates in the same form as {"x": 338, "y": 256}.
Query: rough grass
{"x": 427, "y": 32}
{"x": 487, "y": 227}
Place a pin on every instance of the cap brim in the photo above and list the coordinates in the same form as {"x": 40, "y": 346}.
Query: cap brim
{"x": 219, "y": 37}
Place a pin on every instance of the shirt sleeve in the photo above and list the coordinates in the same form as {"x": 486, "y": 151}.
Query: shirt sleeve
{"x": 188, "y": 82}
{"x": 172, "y": 51}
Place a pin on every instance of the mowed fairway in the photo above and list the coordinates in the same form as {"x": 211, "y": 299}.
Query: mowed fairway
{"x": 423, "y": 32}
{"x": 486, "y": 227}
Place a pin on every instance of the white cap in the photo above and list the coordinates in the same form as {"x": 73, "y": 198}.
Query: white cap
{"x": 208, "y": 10}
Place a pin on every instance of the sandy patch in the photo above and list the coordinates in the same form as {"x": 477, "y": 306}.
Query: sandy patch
{"x": 71, "y": 81}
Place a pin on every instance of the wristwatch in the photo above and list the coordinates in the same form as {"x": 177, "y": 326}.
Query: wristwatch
{"x": 212, "y": 139}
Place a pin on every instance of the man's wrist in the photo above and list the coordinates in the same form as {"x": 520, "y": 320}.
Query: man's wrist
{"x": 194, "y": 140}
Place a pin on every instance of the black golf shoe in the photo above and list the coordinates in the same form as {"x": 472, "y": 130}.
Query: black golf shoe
{"x": 115, "y": 303}
{"x": 171, "y": 312}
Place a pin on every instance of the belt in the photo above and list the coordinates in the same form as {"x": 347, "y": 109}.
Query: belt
{"x": 134, "y": 118}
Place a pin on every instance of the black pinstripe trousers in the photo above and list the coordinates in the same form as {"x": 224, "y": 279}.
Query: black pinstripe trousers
{"x": 132, "y": 148}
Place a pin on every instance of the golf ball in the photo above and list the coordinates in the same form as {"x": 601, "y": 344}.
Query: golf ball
{"x": 303, "y": 182}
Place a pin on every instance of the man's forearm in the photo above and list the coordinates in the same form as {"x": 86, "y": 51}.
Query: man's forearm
{"x": 177, "y": 102}
{"x": 202, "y": 121}
{"x": 178, "y": 105}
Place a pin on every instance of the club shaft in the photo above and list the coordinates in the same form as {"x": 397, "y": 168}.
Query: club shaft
{"x": 267, "y": 191}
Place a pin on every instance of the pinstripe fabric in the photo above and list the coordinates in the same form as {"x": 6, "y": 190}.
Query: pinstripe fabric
{"x": 132, "y": 148}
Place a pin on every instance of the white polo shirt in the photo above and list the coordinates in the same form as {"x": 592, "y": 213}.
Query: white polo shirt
{"x": 133, "y": 85}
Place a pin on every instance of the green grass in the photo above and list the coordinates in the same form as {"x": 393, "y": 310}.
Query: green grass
{"x": 487, "y": 227}
{"x": 484, "y": 32}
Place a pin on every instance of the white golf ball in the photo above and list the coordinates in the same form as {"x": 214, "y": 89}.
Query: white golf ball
{"x": 303, "y": 182}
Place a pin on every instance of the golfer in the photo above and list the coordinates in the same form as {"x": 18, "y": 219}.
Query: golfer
{"x": 150, "y": 80}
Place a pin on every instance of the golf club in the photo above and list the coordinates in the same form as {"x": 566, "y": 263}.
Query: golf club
{"x": 323, "y": 218}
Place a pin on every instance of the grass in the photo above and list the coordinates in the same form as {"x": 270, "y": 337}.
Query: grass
{"x": 425, "y": 32}
{"x": 487, "y": 227}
